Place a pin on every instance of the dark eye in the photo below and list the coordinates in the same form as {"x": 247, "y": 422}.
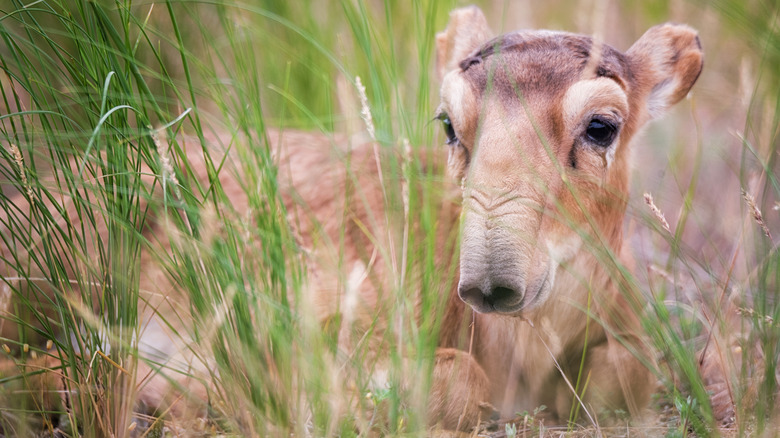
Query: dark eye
{"x": 449, "y": 130}
{"x": 601, "y": 131}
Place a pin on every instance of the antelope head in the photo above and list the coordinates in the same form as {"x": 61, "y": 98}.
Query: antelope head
{"x": 539, "y": 126}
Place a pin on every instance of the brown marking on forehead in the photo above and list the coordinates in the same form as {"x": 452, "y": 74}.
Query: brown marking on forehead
{"x": 540, "y": 63}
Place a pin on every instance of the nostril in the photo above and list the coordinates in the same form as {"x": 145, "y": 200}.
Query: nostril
{"x": 472, "y": 296}
{"x": 485, "y": 300}
{"x": 500, "y": 294}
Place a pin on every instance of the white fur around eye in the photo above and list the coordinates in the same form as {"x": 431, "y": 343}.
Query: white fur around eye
{"x": 610, "y": 156}
{"x": 593, "y": 96}
{"x": 458, "y": 101}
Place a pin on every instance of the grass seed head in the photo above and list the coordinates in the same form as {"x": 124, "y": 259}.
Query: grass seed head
{"x": 756, "y": 213}
{"x": 165, "y": 162}
{"x": 5, "y": 297}
{"x": 16, "y": 154}
{"x": 656, "y": 212}
{"x": 365, "y": 111}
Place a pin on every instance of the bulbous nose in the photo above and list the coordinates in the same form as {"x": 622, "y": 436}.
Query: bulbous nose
{"x": 486, "y": 298}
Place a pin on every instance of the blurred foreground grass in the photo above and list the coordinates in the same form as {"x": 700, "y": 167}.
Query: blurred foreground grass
{"x": 106, "y": 108}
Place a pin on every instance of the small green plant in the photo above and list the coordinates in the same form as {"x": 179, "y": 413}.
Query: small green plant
{"x": 510, "y": 429}
{"x": 530, "y": 419}
{"x": 686, "y": 407}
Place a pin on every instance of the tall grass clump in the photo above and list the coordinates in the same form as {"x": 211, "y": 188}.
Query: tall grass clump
{"x": 74, "y": 204}
{"x": 127, "y": 131}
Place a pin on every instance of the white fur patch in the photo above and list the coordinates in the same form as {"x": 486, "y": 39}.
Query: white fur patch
{"x": 564, "y": 251}
{"x": 593, "y": 96}
{"x": 553, "y": 340}
{"x": 660, "y": 97}
{"x": 458, "y": 102}
{"x": 351, "y": 300}
{"x": 380, "y": 380}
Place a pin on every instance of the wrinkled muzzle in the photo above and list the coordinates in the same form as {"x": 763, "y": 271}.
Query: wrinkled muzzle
{"x": 504, "y": 265}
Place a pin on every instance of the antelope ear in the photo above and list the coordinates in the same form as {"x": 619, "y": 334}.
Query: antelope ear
{"x": 666, "y": 60}
{"x": 465, "y": 32}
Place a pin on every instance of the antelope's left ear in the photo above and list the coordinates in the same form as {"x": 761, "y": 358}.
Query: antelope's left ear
{"x": 666, "y": 60}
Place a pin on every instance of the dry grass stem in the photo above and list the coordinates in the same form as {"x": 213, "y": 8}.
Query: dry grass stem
{"x": 365, "y": 113}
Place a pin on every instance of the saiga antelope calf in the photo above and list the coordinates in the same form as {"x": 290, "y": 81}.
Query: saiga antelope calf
{"x": 539, "y": 127}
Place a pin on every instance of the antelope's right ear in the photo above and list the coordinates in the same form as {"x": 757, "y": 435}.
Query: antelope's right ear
{"x": 667, "y": 60}
{"x": 465, "y": 32}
